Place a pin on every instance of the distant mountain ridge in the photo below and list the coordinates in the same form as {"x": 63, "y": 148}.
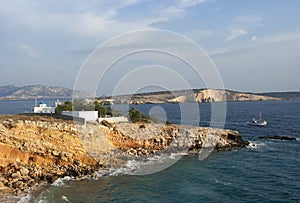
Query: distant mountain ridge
{"x": 177, "y": 96}
{"x": 36, "y": 91}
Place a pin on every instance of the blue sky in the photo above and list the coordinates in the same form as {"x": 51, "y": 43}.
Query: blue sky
{"x": 254, "y": 44}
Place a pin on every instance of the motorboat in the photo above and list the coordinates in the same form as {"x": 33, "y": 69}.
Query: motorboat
{"x": 257, "y": 122}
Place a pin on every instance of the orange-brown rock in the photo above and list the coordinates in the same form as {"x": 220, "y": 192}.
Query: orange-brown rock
{"x": 45, "y": 147}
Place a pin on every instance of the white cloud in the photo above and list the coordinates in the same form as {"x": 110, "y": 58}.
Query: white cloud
{"x": 281, "y": 37}
{"x": 189, "y": 3}
{"x": 177, "y": 9}
{"x": 254, "y": 42}
{"x": 248, "y": 19}
{"x": 172, "y": 11}
{"x": 253, "y": 38}
{"x": 236, "y": 33}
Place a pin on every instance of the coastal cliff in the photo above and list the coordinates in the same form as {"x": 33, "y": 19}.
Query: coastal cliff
{"x": 38, "y": 150}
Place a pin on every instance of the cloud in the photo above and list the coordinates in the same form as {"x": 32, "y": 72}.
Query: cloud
{"x": 189, "y": 3}
{"x": 89, "y": 18}
{"x": 248, "y": 19}
{"x": 172, "y": 11}
{"x": 178, "y": 8}
{"x": 236, "y": 33}
{"x": 258, "y": 43}
{"x": 253, "y": 38}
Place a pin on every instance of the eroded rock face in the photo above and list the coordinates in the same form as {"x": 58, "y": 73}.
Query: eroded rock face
{"x": 153, "y": 138}
{"x": 35, "y": 152}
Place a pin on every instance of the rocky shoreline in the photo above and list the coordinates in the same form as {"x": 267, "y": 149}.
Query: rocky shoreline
{"x": 37, "y": 150}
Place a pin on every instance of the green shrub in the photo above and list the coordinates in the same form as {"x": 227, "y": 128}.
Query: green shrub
{"x": 81, "y": 105}
{"x": 136, "y": 116}
{"x": 168, "y": 122}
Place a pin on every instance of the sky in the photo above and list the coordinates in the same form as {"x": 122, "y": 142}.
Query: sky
{"x": 254, "y": 45}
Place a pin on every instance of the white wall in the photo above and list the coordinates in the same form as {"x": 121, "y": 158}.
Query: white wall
{"x": 87, "y": 115}
{"x": 114, "y": 119}
{"x": 39, "y": 109}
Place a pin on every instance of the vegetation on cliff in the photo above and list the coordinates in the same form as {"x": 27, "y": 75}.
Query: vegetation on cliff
{"x": 81, "y": 105}
{"x": 137, "y": 116}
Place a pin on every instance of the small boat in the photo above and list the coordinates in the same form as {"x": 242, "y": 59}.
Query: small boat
{"x": 258, "y": 122}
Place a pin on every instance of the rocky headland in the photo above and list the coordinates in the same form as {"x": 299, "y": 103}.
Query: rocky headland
{"x": 37, "y": 150}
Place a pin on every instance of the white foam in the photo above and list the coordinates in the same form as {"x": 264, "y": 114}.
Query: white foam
{"x": 121, "y": 171}
{"x": 255, "y": 145}
{"x": 60, "y": 181}
{"x": 26, "y": 199}
{"x": 153, "y": 164}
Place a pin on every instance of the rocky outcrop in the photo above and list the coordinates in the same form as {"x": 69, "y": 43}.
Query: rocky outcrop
{"x": 37, "y": 150}
{"x": 147, "y": 139}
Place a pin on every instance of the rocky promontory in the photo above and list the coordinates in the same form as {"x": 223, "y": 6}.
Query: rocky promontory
{"x": 37, "y": 150}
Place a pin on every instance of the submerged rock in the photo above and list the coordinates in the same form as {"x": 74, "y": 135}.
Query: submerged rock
{"x": 277, "y": 137}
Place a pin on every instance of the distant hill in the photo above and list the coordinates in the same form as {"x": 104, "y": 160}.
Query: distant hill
{"x": 36, "y": 91}
{"x": 178, "y": 96}
{"x": 283, "y": 95}
{"x": 181, "y": 96}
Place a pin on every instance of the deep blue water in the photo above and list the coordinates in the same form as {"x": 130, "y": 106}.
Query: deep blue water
{"x": 266, "y": 172}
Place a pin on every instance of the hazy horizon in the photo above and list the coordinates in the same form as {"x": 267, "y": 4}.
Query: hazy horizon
{"x": 255, "y": 45}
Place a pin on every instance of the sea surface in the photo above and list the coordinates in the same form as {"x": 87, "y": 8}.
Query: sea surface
{"x": 266, "y": 171}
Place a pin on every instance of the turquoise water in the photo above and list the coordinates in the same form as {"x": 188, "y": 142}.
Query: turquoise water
{"x": 266, "y": 172}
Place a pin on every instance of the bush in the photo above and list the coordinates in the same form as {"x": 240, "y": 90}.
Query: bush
{"x": 67, "y": 106}
{"x": 136, "y": 116}
{"x": 168, "y": 122}
{"x": 81, "y": 105}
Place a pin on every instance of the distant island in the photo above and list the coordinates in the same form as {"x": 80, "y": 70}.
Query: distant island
{"x": 36, "y": 91}
{"x": 197, "y": 95}
{"x": 178, "y": 96}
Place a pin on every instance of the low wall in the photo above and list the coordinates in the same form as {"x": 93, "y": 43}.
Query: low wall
{"x": 119, "y": 119}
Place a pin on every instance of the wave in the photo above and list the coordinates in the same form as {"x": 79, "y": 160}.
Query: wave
{"x": 27, "y": 198}
{"x": 60, "y": 181}
{"x": 148, "y": 165}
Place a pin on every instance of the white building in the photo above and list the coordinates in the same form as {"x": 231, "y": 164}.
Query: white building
{"x": 87, "y": 115}
{"x": 43, "y": 108}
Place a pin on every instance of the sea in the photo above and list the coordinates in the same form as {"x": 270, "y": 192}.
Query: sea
{"x": 265, "y": 171}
